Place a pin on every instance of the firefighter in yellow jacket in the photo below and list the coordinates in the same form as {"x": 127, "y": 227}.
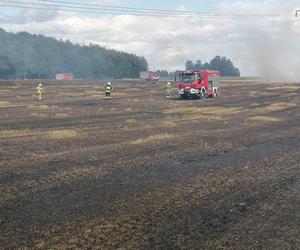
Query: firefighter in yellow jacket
{"x": 108, "y": 89}
{"x": 168, "y": 89}
{"x": 40, "y": 92}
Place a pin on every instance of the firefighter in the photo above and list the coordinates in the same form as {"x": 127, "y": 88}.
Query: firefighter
{"x": 40, "y": 92}
{"x": 168, "y": 89}
{"x": 108, "y": 89}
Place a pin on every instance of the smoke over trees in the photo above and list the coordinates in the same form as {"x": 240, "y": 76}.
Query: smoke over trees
{"x": 6, "y": 69}
{"x": 223, "y": 64}
{"x": 23, "y": 55}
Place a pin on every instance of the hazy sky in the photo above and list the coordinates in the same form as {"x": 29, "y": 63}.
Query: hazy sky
{"x": 168, "y": 42}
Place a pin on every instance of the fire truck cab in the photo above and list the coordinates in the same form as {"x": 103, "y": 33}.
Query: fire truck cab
{"x": 198, "y": 84}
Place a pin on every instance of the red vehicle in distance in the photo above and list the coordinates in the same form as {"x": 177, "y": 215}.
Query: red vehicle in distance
{"x": 198, "y": 83}
{"x": 64, "y": 76}
{"x": 149, "y": 76}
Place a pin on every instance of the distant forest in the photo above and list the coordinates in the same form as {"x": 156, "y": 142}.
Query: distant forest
{"x": 221, "y": 63}
{"x": 26, "y": 56}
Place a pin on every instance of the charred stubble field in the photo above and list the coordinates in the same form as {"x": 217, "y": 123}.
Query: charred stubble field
{"x": 144, "y": 172}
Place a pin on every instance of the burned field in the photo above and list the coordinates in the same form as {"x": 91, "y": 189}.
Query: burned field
{"x": 144, "y": 172}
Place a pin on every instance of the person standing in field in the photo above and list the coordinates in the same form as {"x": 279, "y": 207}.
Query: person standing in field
{"x": 40, "y": 92}
{"x": 108, "y": 89}
{"x": 168, "y": 89}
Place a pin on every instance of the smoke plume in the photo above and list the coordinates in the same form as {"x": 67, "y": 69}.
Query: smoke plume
{"x": 275, "y": 51}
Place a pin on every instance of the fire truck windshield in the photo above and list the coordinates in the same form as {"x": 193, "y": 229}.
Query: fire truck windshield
{"x": 187, "y": 78}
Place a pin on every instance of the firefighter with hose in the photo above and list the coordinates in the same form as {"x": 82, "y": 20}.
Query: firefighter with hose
{"x": 108, "y": 89}
{"x": 40, "y": 92}
{"x": 168, "y": 89}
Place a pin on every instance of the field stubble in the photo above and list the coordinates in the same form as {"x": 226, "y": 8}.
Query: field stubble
{"x": 145, "y": 172}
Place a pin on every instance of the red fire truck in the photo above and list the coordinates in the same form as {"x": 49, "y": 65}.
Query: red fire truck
{"x": 64, "y": 76}
{"x": 149, "y": 76}
{"x": 198, "y": 84}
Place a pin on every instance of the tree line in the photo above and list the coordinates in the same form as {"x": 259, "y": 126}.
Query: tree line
{"x": 221, "y": 63}
{"x": 27, "y": 56}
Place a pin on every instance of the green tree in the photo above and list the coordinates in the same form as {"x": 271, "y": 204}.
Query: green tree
{"x": 189, "y": 65}
{"x": 23, "y": 55}
{"x": 6, "y": 68}
{"x": 163, "y": 73}
{"x": 198, "y": 65}
{"x": 221, "y": 63}
{"x": 224, "y": 65}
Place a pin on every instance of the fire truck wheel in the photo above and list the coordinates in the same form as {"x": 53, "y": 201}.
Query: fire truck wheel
{"x": 183, "y": 97}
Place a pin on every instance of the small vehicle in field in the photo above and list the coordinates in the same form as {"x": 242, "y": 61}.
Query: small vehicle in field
{"x": 149, "y": 76}
{"x": 198, "y": 84}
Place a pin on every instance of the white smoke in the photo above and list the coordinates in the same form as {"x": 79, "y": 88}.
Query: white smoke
{"x": 273, "y": 50}
{"x": 269, "y": 46}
